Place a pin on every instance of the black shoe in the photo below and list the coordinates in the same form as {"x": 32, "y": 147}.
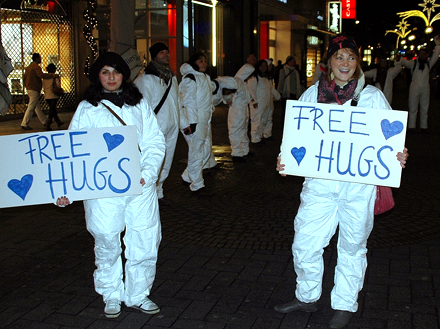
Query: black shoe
{"x": 295, "y": 306}
{"x": 164, "y": 202}
{"x": 250, "y": 154}
{"x": 424, "y": 131}
{"x": 238, "y": 159}
{"x": 202, "y": 192}
{"x": 48, "y": 128}
{"x": 185, "y": 183}
{"x": 340, "y": 319}
{"x": 26, "y": 128}
{"x": 258, "y": 144}
{"x": 60, "y": 123}
{"x": 411, "y": 130}
{"x": 268, "y": 138}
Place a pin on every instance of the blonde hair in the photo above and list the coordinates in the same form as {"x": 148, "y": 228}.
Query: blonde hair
{"x": 356, "y": 74}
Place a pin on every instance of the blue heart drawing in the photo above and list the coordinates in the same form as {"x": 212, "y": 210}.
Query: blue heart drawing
{"x": 298, "y": 153}
{"x": 113, "y": 141}
{"x": 21, "y": 187}
{"x": 391, "y": 129}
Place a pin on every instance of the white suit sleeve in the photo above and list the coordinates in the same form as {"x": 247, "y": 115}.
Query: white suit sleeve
{"x": 152, "y": 145}
{"x": 371, "y": 74}
{"x": 252, "y": 87}
{"x": 275, "y": 93}
{"x": 188, "y": 99}
{"x": 434, "y": 56}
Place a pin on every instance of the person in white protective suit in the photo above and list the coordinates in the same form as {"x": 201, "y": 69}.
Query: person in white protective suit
{"x": 383, "y": 77}
{"x": 161, "y": 89}
{"x": 238, "y": 99}
{"x": 195, "y": 92}
{"x": 107, "y": 218}
{"x": 419, "y": 89}
{"x": 327, "y": 204}
{"x": 262, "y": 93}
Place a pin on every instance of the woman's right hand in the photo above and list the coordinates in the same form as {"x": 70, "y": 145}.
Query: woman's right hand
{"x": 280, "y": 167}
{"x": 63, "y": 201}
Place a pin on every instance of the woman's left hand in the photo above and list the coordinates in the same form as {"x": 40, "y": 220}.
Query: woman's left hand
{"x": 142, "y": 181}
{"x": 402, "y": 156}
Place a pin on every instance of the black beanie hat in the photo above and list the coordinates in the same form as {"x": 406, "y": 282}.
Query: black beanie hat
{"x": 111, "y": 59}
{"x": 340, "y": 42}
{"x": 156, "y": 48}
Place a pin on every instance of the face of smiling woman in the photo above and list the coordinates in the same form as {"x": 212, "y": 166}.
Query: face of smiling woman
{"x": 110, "y": 78}
{"x": 343, "y": 64}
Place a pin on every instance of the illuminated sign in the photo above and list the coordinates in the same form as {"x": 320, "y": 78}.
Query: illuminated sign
{"x": 334, "y": 10}
{"x": 310, "y": 70}
{"x": 348, "y": 9}
{"x": 29, "y": 4}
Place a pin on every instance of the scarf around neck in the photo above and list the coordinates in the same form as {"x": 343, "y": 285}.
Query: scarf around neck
{"x": 162, "y": 71}
{"x": 332, "y": 93}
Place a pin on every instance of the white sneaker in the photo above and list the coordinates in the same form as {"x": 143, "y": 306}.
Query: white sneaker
{"x": 112, "y": 308}
{"x": 147, "y": 306}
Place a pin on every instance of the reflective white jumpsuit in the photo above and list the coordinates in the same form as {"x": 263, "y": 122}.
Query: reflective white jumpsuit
{"x": 392, "y": 72}
{"x": 262, "y": 93}
{"x": 138, "y": 214}
{"x": 419, "y": 89}
{"x": 196, "y": 100}
{"x": 325, "y": 204}
{"x": 238, "y": 114}
{"x": 153, "y": 88}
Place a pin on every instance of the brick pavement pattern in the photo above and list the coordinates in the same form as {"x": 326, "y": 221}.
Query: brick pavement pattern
{"x": 225, "y": 258}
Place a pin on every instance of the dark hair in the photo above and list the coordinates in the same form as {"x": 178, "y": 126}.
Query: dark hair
{"x": 35, "y": 56}
{"x": 257, "y": 71}
{"x": 51, "y": 68}
{"x": 130, "y": 93}
{"x": 194, "y": 58}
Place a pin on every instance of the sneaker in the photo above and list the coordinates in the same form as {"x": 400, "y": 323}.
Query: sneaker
{"x": 112, "y": 308}
{"x": 147, "y": 306}
{"x": 26, "y": 128}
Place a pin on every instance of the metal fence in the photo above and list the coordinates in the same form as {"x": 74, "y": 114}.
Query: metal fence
{"x": 26, "y": 32}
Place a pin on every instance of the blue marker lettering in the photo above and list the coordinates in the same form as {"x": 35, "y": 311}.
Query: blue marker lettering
{"x": 299, "y": 118}
{"x": 114, "y": 189}
{"x": 40, "y": 149}
{"x": 100, "y": 173}
{"x": 72, "y": 144}
{"x": 330, "y": 121}
{"x": 330, "y": 157}
{"x": 31, "y": 149}
{"x": 51, "y": 180}
{"x": 382, "y": 163}
{"x": 349, "y": 161}
{"x": 316, "y": 117}
{"x": 55, "y": 146}
{"x": 84, "y": 175}
{"x": 363, "y": 174}
{"x": 357, "y": 123}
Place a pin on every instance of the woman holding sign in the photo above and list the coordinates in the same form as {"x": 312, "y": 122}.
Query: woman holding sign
{"x": 110, "y": 102}
{"x": 327, "y": 204}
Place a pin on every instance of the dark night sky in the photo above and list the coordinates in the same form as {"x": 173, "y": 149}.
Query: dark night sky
{"x": 378, "y": 16}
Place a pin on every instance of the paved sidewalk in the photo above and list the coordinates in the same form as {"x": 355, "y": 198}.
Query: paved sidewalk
{"x": 225, "y": 259}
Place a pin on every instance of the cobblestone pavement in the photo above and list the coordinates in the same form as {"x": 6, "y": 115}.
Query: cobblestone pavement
{"x": 225, "y": 258}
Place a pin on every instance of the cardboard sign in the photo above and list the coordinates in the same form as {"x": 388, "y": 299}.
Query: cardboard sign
{"x": 97, "y": 163}
{"x": 344, "y": 143}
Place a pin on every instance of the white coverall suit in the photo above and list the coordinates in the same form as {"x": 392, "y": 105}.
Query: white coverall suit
{"x": 196, "y": 100}
{"x": 325, "y": 204}
{"x": 419, "y": 89}
{"x": 238, "y": 114}
{"x": 138, "y": 214}
{"x": 392, "y": 72}
{"x": 153, "y": 88}
{"x": 262, "y": 93}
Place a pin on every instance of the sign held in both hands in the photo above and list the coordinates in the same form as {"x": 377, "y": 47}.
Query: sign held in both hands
{"x": 344, "y": 143}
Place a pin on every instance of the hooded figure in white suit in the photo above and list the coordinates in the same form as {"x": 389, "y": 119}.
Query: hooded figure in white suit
{"x": 158, "y": 82}
{"x": 196, "y": 92}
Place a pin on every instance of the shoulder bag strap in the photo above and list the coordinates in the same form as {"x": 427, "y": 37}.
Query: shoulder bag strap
{"x": 164, "y": 97}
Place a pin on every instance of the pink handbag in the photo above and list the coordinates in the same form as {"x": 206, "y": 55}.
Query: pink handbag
{"x": 384, "y": 200}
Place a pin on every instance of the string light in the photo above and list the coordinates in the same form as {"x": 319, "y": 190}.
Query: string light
{"x": 91, "y": 24}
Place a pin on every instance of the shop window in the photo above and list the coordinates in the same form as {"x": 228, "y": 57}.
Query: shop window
{"x": 25, "y": 33}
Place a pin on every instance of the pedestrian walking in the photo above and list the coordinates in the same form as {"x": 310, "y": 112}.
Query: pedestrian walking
{"x": 160, "y": 87}
{"x": 327, "y": 204}
{"x": 109, "y": 99}
{"x": 32, "y": 80}
{"x": 50, "y": 97}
